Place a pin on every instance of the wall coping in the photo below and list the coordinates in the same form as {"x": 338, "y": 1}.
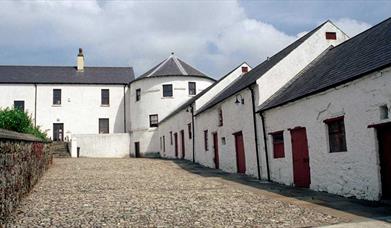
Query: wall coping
{"x": 13, "y": 135}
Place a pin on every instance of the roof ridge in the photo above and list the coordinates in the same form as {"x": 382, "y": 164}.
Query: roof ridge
{"x": 179, "y": 65}
{"x": 157, "y": 68}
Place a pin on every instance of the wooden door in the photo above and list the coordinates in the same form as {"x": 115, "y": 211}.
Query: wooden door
{"x": 183, "y": 143}
{"x": 384, "y": 138}
{"x": 137, "y": 149}
{"x": 240, "y": 155}
{"x": 58, "y": 132}
{"x": 176, "y": 144}
{"x": 216, "y": 150}
{"x": 300, "y": 156}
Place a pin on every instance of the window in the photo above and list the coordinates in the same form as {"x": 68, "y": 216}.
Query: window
{"x": 383, "y": 112}
{"x": 103, "y": 126}
{"x": 278, "y": 144}
{"x": 206, "y": 139}
{"x": 161, "y": 143}
{"x": 164, "y": 143}
{"x": 331, "y": 36}
{"x": 223, "y": 140}
{"x": 220, "y": 117}
{"x": 19, "y": 105}
{"x": 336, "y": 131}
{"x": 189, "y": 129}
{"x": 244, "y": 69}
{"x": 138, "y": 94}
{"x": 57, "y": 96}
{"x": 171, "y": 137}
{"x": 167, "y": 90}
{"x": 192, "y": 88}
{"x": 153, "y": 120}
{"x": 105, "y": 97}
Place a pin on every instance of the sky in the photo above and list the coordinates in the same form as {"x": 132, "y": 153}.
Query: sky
{"x": 213, "y": 36}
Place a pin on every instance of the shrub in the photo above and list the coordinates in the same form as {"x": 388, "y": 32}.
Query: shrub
{"x": 14, "y": 119}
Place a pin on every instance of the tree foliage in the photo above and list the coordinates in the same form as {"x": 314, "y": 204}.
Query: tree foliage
{"x": 14, "y": 119}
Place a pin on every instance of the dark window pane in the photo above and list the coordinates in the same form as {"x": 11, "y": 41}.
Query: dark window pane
{"x": 331, "y": 35}
{"x": 167, "y": 90}
{"x": 206, "y": 139}
{"x": 138, "y": 94}
{"x": 105, "y": 97}
{"x": 192, "y": 88}
{"x": 56, "y": 96}
{"x": 189, "y": 129}
{"x": 153, "y": 120}
{"x": 337, "y": 138}
{"x": 220, "y": 117}
{"x": 103, "y": 126}
{"x": 19, "y": 105}
{"x": 278, "y": 145}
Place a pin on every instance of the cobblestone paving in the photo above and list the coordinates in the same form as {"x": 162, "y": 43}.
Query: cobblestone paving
{"x": 149, "y": 192}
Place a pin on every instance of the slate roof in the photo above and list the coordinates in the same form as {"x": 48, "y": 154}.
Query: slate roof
{"x": 172, "y": 66}
{"x": 365, "y": 53}
{"x": 257, "y": 72}
{"x": 65, "y": 75}
{"x": 193, "y": 99}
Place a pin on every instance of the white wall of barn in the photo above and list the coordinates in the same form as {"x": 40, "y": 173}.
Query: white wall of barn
{"x": 352, "y": 173}
{"x": 297, "y": 60}
{"x": 153, "y": 102}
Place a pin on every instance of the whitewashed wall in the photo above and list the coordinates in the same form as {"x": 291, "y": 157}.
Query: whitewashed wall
{"x": 153, "y": 102}
{"x": 101, "y": 145}
{"x": 351, "y": 173}
{"x": 11, "y": 92}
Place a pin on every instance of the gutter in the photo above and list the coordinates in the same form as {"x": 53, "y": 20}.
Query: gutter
{"x": 255, "y": 131}
{"x": 265, "y": 143}
{"x": 35, "y": 105}
{"x": 124, "y": 108}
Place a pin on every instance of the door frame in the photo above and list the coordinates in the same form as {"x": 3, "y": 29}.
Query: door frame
{"x": 306, "y": 185}
{"x": 216, "y": 157}
{"x": 236, "y": 134}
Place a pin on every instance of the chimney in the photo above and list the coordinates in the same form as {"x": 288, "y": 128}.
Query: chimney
{"x": 80, "y": 60}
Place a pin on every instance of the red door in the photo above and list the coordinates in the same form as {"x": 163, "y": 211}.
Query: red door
{"x": 183, "y": 143}
{"x": 384, "y": 137}
{"x": 176, "y": 144}
{"x": 240, "y": 157}
{"x": 216, "y": 150}
{"x": 301, "y": 160}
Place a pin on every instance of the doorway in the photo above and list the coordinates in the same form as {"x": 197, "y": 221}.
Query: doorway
{"x": 384, "y": 139}
{"x": 240, "y": 155}
{"x": 137, "y": 149}
{"x": 58, "y": 132}
{"x": 216, "y": 150}
{"x": 300, "y": 156}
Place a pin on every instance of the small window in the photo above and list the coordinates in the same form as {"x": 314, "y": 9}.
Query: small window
{"x": 331, "y": 36}
{"x": 383, "y": 112}
{"x": 164, "y": 143}
{"x": 336, "y": 132}
{"x": 171, "y": 137}
{"x": 138, "y": 94}
{"x": 167, "y": 90}
{"x": 103, "y": 126}
{"x": 278, "y": 144}
{"x": 223, "y": 140}
{"x": 153, "y": 120}
{"x": 161, "y": 143}
{"x": 244, "y": 69}
{"x": 19, "y": 105}
{"x": 105, "y": 97}
{"x": 189, "y": 130}
{"x": 192, "y": 88}
{"x": 57, "y": 96}
{"x": 206, "y": 139}
{"x": 220, "y": 117}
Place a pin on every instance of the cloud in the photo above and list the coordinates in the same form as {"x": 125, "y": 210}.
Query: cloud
{"x": 351, "y": 27}
{"x": 210, "y": 35}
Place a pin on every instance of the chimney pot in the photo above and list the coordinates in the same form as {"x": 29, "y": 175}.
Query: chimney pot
{"x": 80, "y": 60}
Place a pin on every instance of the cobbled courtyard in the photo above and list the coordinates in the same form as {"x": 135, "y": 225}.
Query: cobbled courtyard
{"x": 151, "y": 192}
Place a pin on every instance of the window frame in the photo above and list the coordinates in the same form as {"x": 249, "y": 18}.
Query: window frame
{"x": 102, "y": 127}
{"x": 206, "y": 146}
{"x": 164, "y": 91}
{"x": 338, "y": 134}
{"x": 105, "y": 96}
{"x": 18, "y": 106}
{"x": 192, "y": 91}
{"x": 150, "y": 120}
{"x": 278, "y": 144}
{"x": 56, "y": 96}
{"x": 138, "y": 94}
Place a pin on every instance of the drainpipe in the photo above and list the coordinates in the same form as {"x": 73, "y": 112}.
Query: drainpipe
{"x": 124, "y": 108}
{"x": 35, "y": 105}
{"x": 193, "y": 135}
{"x": 265, "y": 143}
{"x": 255, "y": 131}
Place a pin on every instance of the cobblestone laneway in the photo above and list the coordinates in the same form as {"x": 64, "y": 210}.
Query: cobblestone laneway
{"x": 149, "y": 192}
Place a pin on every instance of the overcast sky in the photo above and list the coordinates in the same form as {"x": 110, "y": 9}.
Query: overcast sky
{"x": 212, "y": 36}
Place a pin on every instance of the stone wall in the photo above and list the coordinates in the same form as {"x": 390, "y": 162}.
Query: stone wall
{"x": 23, "y": 160}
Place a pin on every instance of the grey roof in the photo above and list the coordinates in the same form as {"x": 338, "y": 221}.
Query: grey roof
{"x": 251, "y": 77}
{"x": 193, "y": 99}
{"x": 365, "y": 53}
{"x": 172, "y": 66}
{"x": 65, "y": 75}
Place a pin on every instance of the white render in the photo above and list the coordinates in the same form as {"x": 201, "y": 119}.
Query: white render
{"x": 101, "y": 145}
{"x": 352, "y": 173}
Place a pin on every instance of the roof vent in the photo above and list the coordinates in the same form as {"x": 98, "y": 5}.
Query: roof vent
{"x": 80, "y": 60}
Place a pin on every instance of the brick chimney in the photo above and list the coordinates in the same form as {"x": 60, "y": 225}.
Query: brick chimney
{"x": 80, "y": 60}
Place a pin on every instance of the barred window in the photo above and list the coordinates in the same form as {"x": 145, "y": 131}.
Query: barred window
{"x": 153, "y": 120}
{"x": 57, "y": 96}
{"x": 192, "y": 88}
{"x": 167, "y": 90}
{"x": 105, "y": 97}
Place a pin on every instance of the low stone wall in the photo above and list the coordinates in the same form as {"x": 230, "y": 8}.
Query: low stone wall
{"x": 23, "y": 160}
